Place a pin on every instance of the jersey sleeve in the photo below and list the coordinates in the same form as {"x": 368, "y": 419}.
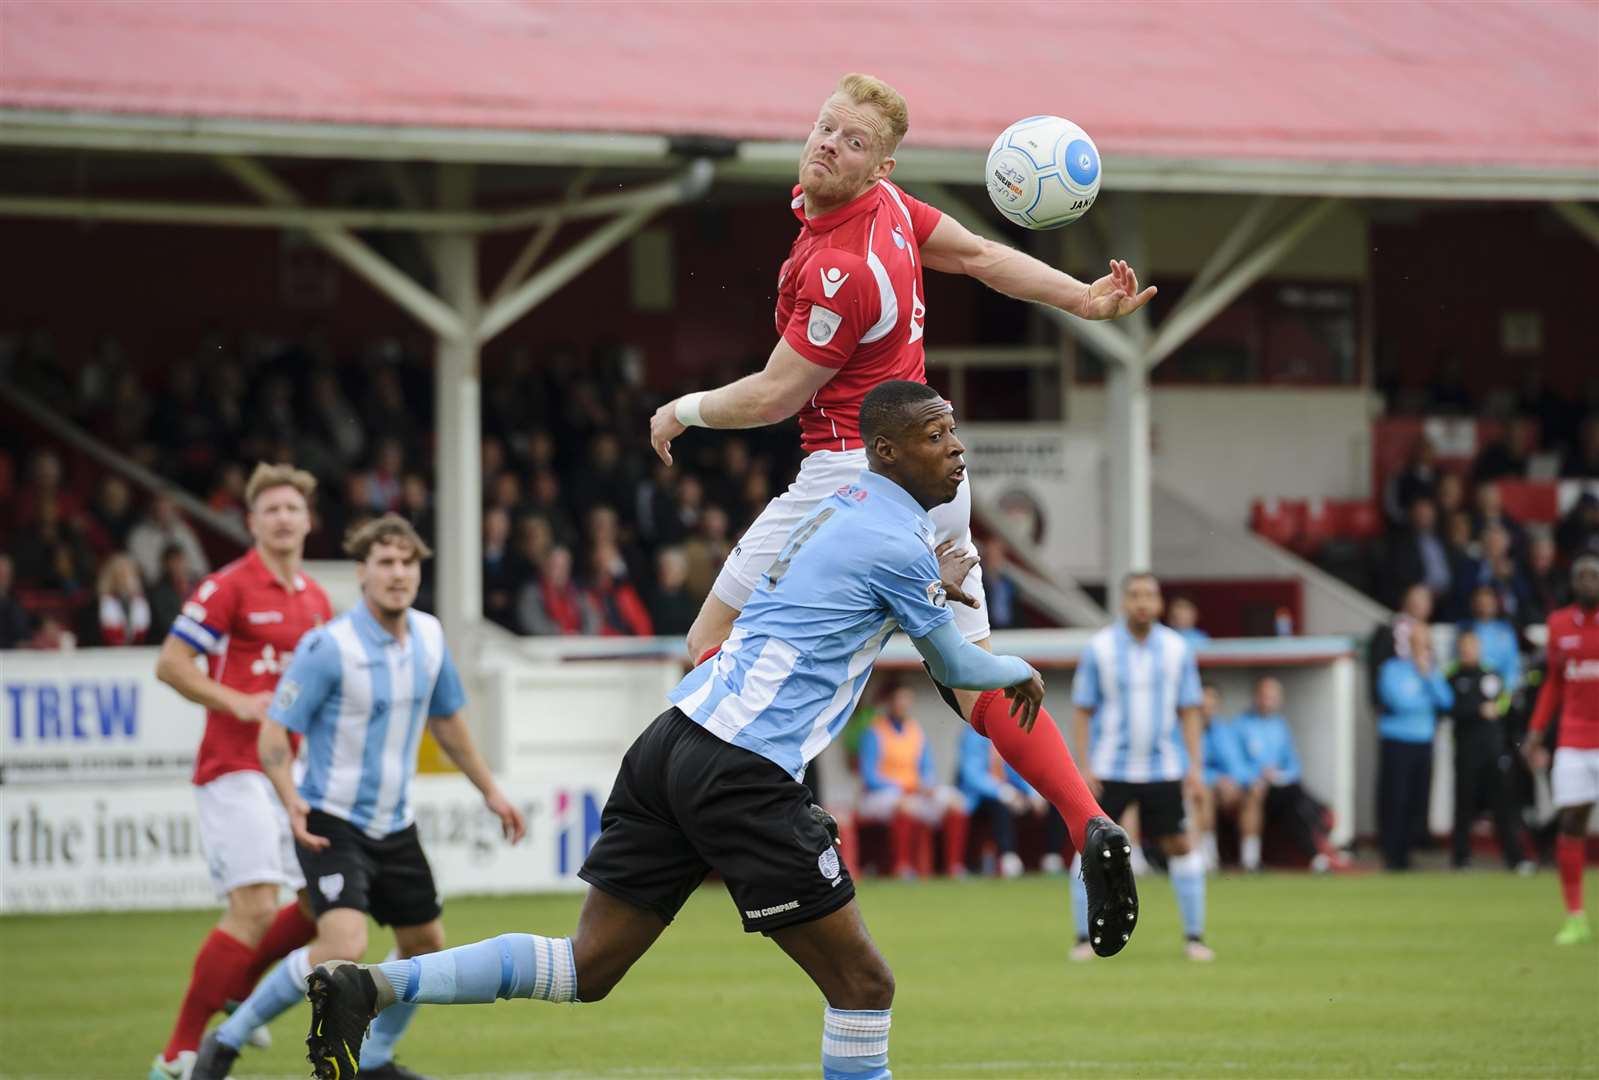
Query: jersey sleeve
{"x": 207, "y": 616}
{"x": 836, "y": 303}
{"x": 449, "y": 697}
{"x": 913, "y": 592}
{"x": 1554, "y": 685}
{"x": 312, "y": 676}
{"x": 924, "y": 218}
{"x": 1085, "y": 684}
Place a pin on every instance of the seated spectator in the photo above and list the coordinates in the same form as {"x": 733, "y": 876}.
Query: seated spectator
{"x": 15, "y": 625}
{"x": 1502, "y": 572}
{"x": 172, "y": 588}
{"x": 994, "y": 790}
{"x": 707, "y": 548}
{"x": 672, "y": 606}
{"x": 45, "y": 485}
{"x": 616, "y": 604}
{"x": 1412, "y": 692}
{"x": 902, "y": 789}
{"x": 553, "y": 603}
{"x": 605, "y": 477}
{"x": 332, "y": 421}
{"x": 1498, "y": 643}
{"x": 1183, "y": 617}
{"x": 124, "y": 612}
{"x": 1490, "y": 513}
{"x": 1417, "y": 480}
{"x": 1271, "y": 762}
{"x": 1451, "y": 498}
{"x": 504, "y": 492}
{"x": 416, "y": 505}
{"x": 1483, "y": 753}
{"x": 999, "y": 590}
{"x": 380, "y": 485}
{"x": 1578, "y": 533}
{"x": 1417, "y": 555}
{"x": 1465, "y": 567}
{"x": 499, "y": 591}
{"x": 1549, "y": 584}
{"x": 163, "y": 526}
{"x": 1223, "y": 766}
{"x": 1508, "y": 457}
{"x": 544, "y": 499}
{"x": 51, "y": 552}
{"x": 53, "y": 634}
{"x": 1582, "y": 463}
{"x": 603, "y": 528}
{"x": 111, "y": 515}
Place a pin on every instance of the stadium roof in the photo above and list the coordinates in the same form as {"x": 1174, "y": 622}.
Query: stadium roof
{"x": 1497, "y": 99}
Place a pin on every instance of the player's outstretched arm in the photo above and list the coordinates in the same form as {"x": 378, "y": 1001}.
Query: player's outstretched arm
{"x": 958, "y": 663}
{"x": 774, "y": 393}
{"x": 955, "y": 249}
{"x": 277, "y": 757}
{"x": 455, "y": 739}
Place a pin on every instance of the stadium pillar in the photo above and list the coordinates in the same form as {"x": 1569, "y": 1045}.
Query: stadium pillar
{"x": 1127, "y": 487}
{"x": 458, "y": 482}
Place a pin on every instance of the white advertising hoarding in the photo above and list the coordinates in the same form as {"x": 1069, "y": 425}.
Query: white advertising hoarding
{"x": 117, "y": 847}
{"x": 93, "y": 715}
{"x": 1044, "y": 481}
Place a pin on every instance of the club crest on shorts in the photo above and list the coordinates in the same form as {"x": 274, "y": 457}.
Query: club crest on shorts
{"x": 936, "y": 594}
{"x": 331, "y": 885}
{"x": 827, "y": 863}
{"x": 823, "y": 325}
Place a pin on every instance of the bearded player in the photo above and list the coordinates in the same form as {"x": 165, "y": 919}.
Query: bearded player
{"x": 850, "y": 316}
{"x": 246, "y": 620}
{"x": 1572, "y": 687}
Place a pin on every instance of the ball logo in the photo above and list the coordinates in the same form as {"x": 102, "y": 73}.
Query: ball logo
{"x": 827, "y": 863}
{"x": 1084, "y": 162}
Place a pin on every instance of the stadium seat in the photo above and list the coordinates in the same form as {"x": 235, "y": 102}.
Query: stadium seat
{"x": 1279, "y": 520}
{"x": 1531, "y": 500}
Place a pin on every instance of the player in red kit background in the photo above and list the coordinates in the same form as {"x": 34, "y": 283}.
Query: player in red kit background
{"x": 851, "y": 315}
{"x": 1572, "y": 688}
{"x": 245, "y": 619}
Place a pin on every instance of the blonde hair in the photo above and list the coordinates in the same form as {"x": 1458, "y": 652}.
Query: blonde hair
{"x": 389, "y": 529}
{"x": 270, "y": 476}
{"x": 870, "y": 90}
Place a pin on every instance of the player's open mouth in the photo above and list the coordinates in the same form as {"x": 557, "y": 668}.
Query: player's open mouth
{"x": 958, "y": 473}
{"x": 821, "y": 164}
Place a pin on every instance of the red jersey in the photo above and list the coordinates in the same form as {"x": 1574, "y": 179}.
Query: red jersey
{"x": 1573, "y": 679}
{"x": 849, "y": 297}
{"x": 247, "y": 624}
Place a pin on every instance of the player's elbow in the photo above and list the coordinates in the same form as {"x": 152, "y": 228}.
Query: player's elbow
{"x": 777, "y": 402}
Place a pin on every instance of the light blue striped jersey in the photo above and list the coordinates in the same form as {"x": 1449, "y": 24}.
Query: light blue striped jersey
{"x": 788, "y": 677}
{"x": 1135, "y": 689}
{"x": 360, "y": 697}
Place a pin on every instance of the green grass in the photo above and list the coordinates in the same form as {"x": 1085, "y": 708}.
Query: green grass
{"x": 1426, "y": 975}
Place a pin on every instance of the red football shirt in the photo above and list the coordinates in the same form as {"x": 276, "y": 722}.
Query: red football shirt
{"x": 247, "y": 624}
{"x": 1572, "y": 684}
{"x": 849, "y": 297}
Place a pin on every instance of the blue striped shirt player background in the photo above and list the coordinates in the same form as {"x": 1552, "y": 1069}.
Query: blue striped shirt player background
{"x": 1135, "y": 689}
{"x": 360, "y": 698}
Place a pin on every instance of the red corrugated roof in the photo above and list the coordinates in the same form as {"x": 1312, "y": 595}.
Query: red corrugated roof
{"x": 1496, "y": 84}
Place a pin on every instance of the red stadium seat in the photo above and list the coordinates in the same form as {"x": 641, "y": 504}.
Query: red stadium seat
{"x": 1531, "y": 500}
{"x": 1279, "y": 520}
{"x": 1357, "y": 519}
{"x": 1320, "y": 525}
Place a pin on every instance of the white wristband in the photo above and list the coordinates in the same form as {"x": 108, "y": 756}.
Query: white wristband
{"x": 688, "y": 409}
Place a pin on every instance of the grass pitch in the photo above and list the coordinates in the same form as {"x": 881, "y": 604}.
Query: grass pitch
{"x": 1372, "y": 976}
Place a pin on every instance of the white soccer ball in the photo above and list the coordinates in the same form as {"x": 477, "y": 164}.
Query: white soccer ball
{"x": 1043, "y": 172}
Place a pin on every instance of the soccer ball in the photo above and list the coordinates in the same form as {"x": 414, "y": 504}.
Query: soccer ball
{"x": 1043, "y": 172}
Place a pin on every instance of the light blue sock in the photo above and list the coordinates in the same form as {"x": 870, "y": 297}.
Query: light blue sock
{"x": 511, "y": 965}
{"x": 855, "y": 1044}
{"x": 1188, "y": 881}
{"x": 384, "y": 1033}
{"x": 1079, "y": 897}
{"x": 272, "y": 997}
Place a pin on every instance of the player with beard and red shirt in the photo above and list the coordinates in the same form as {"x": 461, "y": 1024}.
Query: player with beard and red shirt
{"x": 245, "y": 619}
{"x": 1572, "y": 686}
{"x": 850, "y": 316}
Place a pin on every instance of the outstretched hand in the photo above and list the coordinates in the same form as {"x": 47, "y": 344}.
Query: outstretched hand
{"x": 664, "y": 427}
{"x": 953, "y": 566}
{"x": 1116, "y": 294}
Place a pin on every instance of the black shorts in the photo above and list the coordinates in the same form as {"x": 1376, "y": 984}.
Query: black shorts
{"x": 389, "y": 879}
{"x": 1160, "y": 805}
{"x": 685, "y": 803}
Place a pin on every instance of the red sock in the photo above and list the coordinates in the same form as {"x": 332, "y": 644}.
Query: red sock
{"x": 956, "y": 825}
{"x": 219, "y": 966}
{"x": 1569, "y": 853}
{"x": 923, "y": 833}
{"x": 1041, "y": 757}
{"x": 289, "y": 930}
{"x": 901, "y": 835}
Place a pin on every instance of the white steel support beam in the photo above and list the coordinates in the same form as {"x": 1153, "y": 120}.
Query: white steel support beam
{"x": 1128, "y": 477}
{"x": 1233, "y": 244}
{"x": 540, "y": 241}
{"x": 572, "y": 208}
{"x": 1110, "y": 342}
{"x": 153, "y": 212}
{"x": 1582, "y": 218}
{"x": 1199, "y": 310}
{"x": 458, "y": 480}
{"x": 348, "y": 249}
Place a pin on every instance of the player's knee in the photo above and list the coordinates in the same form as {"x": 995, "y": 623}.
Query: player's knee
{"x": 423, "y": 940}
{"x": 344, "y": 942}
{"x": 597, "y": 973}
{"x": 1574, "y": 820}
{"x": 870, "y": 986}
